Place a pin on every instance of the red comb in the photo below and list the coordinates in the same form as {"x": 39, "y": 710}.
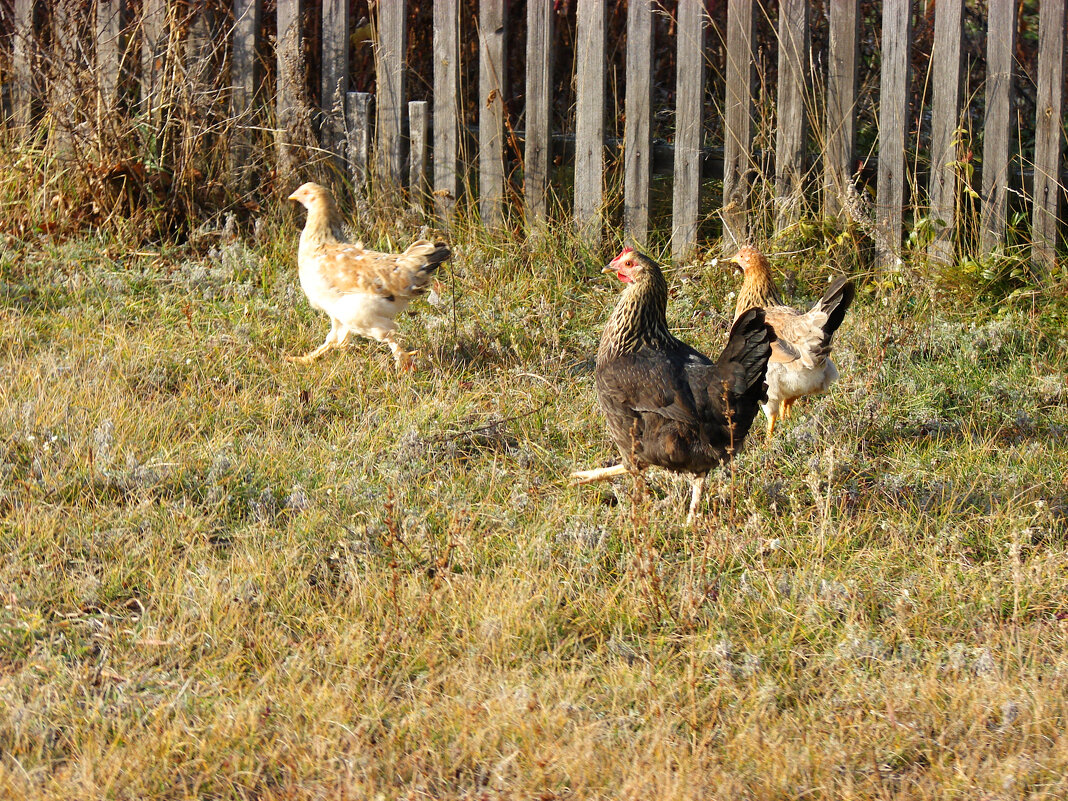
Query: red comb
{"x": 625, "y": 251}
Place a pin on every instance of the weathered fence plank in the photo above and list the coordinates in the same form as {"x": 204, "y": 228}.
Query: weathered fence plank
{"x": 389, "y": 102}
{"x": 638, "y": 121}
{"x": 446, "y": 106}
{"x": 153, "y": 52}
{"x": 945, "y": 122}
{"x": 109, "y": 52}
{"x": 893, "y": 107}
{"x": 841, "y": 119}
{"x": 358, "y": 141}
{"x": 538, "y": 110}
{"x": 65, "y": 68}
{"x": 289, "y": 97}
{"x": 738, "y": 121}
{"x": 245, "y": 75}
{"x": 418, "y": 128}
{"x": 997, "y": 129}
{"x": 491, "y": 111}
{"x": 1049, "y": 127}
{"x": 689, "y": 97}
{"x": 794, "y": 69}
{"x": 334, "y": 74}
{"x": 22, "y": 56}
{"x": 589, "y": 120}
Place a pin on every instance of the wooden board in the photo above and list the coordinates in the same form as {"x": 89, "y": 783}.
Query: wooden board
{"x": 997, "y": 128}
{"x": 1049, "y": 134}
{"x": 491, "y": 18}
{"x": 589, "y": 120}
{"x": 389, "y": 102}
{"x": 153, "y": 53}
{"x": 689, "y": 97}
{"x": 446, "y": 106}
{"x": 23, "y": 51}
{"x": 893, "y": 107}
{"x": 638, "y": 121}
{"x": 537, "y": 149}
{"x": 334, "y": 74}
{"x": 289, "y": 96}
{"x": 841, "y": 117}
{"x": 738, "y": 121}
{"x": 358, "y": 144}
{"x": 418, "y": 127}
{"x": 794, "y": 72}
{"x": 945, "y": 121}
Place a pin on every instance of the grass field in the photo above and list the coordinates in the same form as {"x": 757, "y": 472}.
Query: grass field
{"x": 227, "y": 576}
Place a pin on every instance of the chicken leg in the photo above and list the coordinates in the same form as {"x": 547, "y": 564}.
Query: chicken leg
{"x": 598, "y": 474}
{"x": 696, "y": 494}
{"x": 332, "y": 341}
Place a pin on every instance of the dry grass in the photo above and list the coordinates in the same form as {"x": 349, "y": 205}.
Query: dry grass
{"x": 231, "y": 577}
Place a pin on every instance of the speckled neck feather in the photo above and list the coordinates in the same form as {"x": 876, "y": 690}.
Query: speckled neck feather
{"x": 640, "y": 316}
{"x": 758, "y": 289}
{"x": 323, "y": 226}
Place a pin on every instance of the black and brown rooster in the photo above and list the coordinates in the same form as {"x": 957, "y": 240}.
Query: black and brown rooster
{"x": 666, "y": 404}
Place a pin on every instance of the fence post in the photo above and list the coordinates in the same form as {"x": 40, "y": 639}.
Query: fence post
{"x": 893, "y": 105}
{"x": 22, "y": 57}
{"x": 1000, "y": 53}
{"x": 689, "y": 101}
{"x": 290, "y": 83}
{"x": 417, "y": 126}
{"x": 491, "y": 86}
{"x": 589, "y": 120}
{"x": 153, "y": 51}
{"x": 1048, "y": 133}
{"x": 109, "y": 53}
{"x": 790, "y": 103}
{"x": 389, "y": 104}
{"x": 841, "y": 124}
{"x": 334, "y": 74}
{"x": 638, "y": 121}
{"x": 738, "y": 120}
{"x": 446, "y": 106}
{"x": 538, "y": 111}
{"x": 244, "y": 75}
{"x": 358, "y": 144}
{"x": 945, "y": 122}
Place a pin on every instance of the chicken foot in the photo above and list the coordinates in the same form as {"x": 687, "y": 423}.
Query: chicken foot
{"x": 333, "y": 340}
{"x": 696, "y": 494}
{"x": 599, "y": 474}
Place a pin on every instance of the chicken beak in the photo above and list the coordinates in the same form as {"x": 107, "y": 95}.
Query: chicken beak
{"x": 294, "y": 198}
{"x": 608, "y": 268}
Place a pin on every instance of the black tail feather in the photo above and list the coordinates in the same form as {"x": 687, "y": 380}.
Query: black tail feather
{"x": 836, "y": 301}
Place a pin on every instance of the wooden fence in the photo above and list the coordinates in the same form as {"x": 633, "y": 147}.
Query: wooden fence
{"x": 783, "y": 130}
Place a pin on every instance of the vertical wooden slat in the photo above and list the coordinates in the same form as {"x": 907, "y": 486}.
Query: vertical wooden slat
{"x": 358, "y": 122}
{"x": 491, "y": 111}
{"x": 25, "y": 39}
{"x": 538, "y": 89}
{"x": 794, "y": 72}
{"x": 589, "y": 119}
{"x": 244, "y": 66}
{"x": 841, "y": 121}
{"x": 945, "y": 120}
{"x": 290, "y": 89}
{"x": 446, "y": 105}
{"x": 997, "y": 129}
{"x": 66, "y": 69}
{"x": 689, "y": 97}
{"x": 638, "y": 120}
{"x": 1049, "y": 132}
{"x": 244, "y": 75}
{"x": 738, "y": 120}
{"x": 417, "y": 152}
{"x": 153, "y": 52}
{"x": 334, "y": 74}
{"x": 390, "y": 104}
{"x": 893, "y": 105}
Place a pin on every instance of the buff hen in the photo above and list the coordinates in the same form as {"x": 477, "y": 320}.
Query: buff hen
{"x": 801, "y": 357}
{"x": 665, "y": 403}
{"x": 362, "y": 290}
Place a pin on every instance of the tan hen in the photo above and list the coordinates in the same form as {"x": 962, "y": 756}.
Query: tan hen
{"x": 800, "y": 361}
{"x": 362, "y": 290}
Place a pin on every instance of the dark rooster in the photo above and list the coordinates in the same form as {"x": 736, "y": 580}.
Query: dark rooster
{"x": 666, "y": 404}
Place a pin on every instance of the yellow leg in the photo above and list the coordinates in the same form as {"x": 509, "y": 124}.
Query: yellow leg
{"x": 771, "y": 424}
{"x": 332, "y": 341}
